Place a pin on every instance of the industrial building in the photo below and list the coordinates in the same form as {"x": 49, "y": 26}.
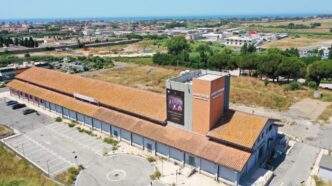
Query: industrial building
{"x": 191, "y": 125}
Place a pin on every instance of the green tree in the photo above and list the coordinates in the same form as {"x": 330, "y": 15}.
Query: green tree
{"x": 248, "y": 62}
{"x": 270, "y": 65}
{"x": 330, "y": 53}
{"x": 204, "y": 52}
{"x": 220, "y": 61}
{"x": 177, "y": 44}
{"x": 291, "y": 67}
{"x": 319, "y": 70}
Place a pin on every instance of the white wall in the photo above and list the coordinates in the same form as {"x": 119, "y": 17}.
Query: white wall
{"x": 325, "y": 174}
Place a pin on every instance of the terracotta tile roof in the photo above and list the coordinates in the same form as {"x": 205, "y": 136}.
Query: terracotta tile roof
{"x": 65, "y": 101}
{"x": 195, "y": 144}
{"x": 140, "y": 102}
{"x": 239, "y": 128}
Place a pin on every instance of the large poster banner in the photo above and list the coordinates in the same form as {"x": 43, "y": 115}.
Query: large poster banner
{"x": 175, "y": 106}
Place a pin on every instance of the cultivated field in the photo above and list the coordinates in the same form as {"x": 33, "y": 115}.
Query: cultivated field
{"x": 15, "y": 171}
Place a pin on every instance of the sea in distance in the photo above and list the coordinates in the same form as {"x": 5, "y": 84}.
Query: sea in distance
{"x": 142, "y": 18}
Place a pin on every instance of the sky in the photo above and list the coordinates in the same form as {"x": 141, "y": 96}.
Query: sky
{"x": 27, "y": 9}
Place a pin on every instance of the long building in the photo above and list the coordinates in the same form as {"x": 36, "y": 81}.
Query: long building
{"x": 191, "y": 124}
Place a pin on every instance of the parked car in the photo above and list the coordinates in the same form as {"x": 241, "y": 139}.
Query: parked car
{"x": 28, "y": 111}
{"x": 11, "y": 102}
{"x": 18, "y": 106}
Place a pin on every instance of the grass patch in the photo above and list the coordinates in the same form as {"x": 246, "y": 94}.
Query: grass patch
{"x": 82, "y": 130}
{"x": 326, "y": 115}
{"x": 111, "y": 141}
{"x": 15, "y": 171}
{"x": 151, "y": 159}
{"x": 320, "y": 182}
{"x": 3, "y": 130}
{"x": 137, "y": 60}
{"x": 58, "y": 119}
{"x": 70, "y": 175}
{"x": 156, "y": 175}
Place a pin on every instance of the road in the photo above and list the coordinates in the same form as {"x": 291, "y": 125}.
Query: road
{"x": 296, "y": 168}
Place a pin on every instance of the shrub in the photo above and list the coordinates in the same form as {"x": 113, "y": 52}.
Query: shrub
{"x": 150, "y": 159}
{"x": 80, "y": 129}
{"x": 312, "y": 84}
{"x": 71, "y": 125}
{"x": 58, "y": 119}
{"x": 155, "y": 175}
{"x": 266, "y": 82}
{"x": 294, "y": 85}
{"x": 110, "y": 140}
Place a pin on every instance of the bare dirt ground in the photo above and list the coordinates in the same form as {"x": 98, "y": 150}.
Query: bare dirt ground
{"x": 308, "y": 108}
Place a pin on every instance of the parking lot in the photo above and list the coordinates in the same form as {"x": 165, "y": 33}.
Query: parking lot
{"x": 53, "y": 146}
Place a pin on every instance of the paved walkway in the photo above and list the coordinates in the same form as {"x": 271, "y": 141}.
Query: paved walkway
{"x": 297, "y": 166}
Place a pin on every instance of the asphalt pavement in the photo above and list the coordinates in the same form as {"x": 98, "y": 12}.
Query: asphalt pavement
{"x": 296, "y": 168}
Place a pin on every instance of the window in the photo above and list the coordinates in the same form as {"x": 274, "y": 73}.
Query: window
{"x": 115, "y": 133}
{"x": 149, "y": 147}
{"x": 191, "y": 160}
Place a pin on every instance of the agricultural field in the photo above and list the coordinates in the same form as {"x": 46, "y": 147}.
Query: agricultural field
{"x": 15, "y": 171}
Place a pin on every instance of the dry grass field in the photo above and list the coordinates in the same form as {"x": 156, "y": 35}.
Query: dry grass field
{"x": 139, "y": 76}
{"x": 296, "y": 42}
{"x": 244, "y": 90}
{"x": 252, "y": 92}
{"x": 15, "y": 171}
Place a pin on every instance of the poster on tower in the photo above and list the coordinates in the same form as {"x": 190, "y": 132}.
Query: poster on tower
{"x": 175, "y": 106}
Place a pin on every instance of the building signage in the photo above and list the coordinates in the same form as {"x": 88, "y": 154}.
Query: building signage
{"x": 175, "y": 106}
{"x": 205, "y": 97}
{"x": 85, "y": 98}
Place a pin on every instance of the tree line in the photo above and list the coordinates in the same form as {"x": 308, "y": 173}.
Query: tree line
{"x": 272, "y": 63}
{"x": 26, "y": 42}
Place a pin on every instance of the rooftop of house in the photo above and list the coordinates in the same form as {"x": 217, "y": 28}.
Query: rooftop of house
{"x": 239, "y": 128}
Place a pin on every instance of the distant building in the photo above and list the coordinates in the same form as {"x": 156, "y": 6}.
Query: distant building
{"x": 240, "y": 41}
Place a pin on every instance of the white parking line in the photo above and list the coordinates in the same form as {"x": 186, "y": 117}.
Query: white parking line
{"x": 74, "y": 141}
